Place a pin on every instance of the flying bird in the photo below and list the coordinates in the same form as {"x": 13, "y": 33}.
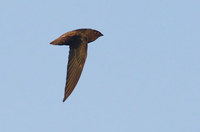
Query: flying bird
{"x": 78, "y": 41}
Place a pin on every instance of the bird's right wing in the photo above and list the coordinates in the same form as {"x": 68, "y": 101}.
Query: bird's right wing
{"x": 76, "y": 61}
{"x": 67, "y": 39}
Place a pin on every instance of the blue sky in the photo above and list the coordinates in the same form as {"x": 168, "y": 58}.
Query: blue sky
{"x": 142, "y": 75}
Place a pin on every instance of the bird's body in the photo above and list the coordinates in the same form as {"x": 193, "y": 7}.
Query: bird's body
{"x": 78, "y": 41}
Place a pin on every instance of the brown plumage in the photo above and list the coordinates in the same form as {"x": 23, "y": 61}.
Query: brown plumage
{"x": 77, "y": 41}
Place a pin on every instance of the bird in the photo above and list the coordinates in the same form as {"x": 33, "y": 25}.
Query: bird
{"x": 77, "y": 40}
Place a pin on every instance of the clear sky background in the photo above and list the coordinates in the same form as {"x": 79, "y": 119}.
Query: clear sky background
{"x": 143, "y": 75}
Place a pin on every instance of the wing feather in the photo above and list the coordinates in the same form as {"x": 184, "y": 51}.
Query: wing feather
{"x": 76, "y": 61}
{"x": 67, "y": 38}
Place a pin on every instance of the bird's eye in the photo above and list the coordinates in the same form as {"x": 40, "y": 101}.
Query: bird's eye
{"x": 96, "y": 32}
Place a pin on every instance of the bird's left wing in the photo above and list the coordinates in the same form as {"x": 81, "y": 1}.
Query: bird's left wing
{"x": 76, "y": 61}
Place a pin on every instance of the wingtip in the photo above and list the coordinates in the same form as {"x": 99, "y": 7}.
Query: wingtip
{"x": 64, "y": 99}
{"x": 53, "y": 43}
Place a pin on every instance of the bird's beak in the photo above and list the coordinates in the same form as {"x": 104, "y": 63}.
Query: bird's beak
{"x": 101, "y": 34}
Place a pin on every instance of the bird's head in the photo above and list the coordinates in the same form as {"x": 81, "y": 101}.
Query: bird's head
{"x": 93, "y": 35}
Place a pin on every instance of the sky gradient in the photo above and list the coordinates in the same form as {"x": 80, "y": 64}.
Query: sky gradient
{"x": 142, "y": 75}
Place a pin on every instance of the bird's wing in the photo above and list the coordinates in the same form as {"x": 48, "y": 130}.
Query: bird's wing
{"x": 67, "y": 38}
{"x": 76, "y": 61}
